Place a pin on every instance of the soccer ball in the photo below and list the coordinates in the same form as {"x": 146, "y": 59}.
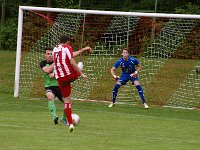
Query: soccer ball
{"x": 80, "y": 65}
{"x": 75, "y": 119}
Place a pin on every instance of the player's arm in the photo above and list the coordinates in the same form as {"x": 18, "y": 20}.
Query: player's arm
{"x": 139, "y": 67}
{"x": 48, "y": 69}
{"x": 75, "y": 66}
{"x": 112, "y": 71}
{"x": 87, "y": 48}
{"x": 137, "y": 70}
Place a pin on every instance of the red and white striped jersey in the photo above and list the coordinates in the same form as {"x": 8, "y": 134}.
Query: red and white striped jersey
{"x": 61, "y": 57}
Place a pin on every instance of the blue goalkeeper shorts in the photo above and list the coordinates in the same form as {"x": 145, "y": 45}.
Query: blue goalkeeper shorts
{"x": 125, "y": 78}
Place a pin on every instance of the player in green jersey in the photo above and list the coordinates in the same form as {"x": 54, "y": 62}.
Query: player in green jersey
{"x": 51, "y": 85}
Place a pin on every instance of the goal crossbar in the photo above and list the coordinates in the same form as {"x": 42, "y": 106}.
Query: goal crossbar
{"x": 120, "y": 13}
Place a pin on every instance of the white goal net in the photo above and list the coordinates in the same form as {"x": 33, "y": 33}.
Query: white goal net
{"x": 167, "y": 45}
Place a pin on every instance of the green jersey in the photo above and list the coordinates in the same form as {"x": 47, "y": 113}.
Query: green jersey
{"x": 48, "y": 80}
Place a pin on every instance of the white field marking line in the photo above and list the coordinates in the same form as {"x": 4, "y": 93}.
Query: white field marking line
{"x": 9, "y": 125}
{"x": 147, "y": 116}
{"x": 179, "y": 107}
{"x": 133, "y": 103}
{"x": 102, "y": 101}
{"x": 90, "y": 100}
{"x": 30, "y": 127}
{"x": 24, "y": 147}
{"x": 118, "y": 103}
{"x": 27, "y": 147}
{"x": 137, "y": 116}
{"x": 153, "y": 138}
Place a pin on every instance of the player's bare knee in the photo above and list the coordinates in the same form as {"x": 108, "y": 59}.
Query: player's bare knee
{"x": 67, "y": 100}
{"x": 50, "y": 96}
{"x": 119, "y": 83}
{"x": 136, "y": 83}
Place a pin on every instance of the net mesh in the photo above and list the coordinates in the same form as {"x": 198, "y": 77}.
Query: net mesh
{"x": 168, "y": 49}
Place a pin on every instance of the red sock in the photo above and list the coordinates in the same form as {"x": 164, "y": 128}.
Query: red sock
{"x": 68, "y": 112}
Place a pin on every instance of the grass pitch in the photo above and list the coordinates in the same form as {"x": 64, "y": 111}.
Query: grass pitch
{"x": 26, "y": 124}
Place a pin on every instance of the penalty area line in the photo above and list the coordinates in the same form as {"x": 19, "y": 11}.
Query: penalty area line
{"x": 178, "y": 107}
{"x": 101, "y": 101}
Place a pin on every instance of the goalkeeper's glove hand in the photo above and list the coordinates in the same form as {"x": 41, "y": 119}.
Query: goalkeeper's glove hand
{"x": 116, "y": 77}
{"x": 133, "y": 75}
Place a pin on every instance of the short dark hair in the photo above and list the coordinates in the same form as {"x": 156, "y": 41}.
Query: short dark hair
{"x": 48, "y": 48}
{"x": 64, "y": 38}
{"x": 126, "y": 49}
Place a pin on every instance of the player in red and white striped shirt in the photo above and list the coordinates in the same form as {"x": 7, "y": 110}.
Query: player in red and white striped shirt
{"x": 66, "y": 71}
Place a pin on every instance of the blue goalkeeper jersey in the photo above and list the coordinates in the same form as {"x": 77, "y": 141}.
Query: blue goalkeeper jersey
{"x": 128, "y": 66}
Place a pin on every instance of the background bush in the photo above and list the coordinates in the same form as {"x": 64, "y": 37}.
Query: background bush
{"x": 8, "y": 36}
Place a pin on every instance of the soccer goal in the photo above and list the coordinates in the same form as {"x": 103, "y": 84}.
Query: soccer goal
{"x": 167, "y": 45}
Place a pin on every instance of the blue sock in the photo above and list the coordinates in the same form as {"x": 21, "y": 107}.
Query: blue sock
{"x": 114, "y": 94}
{"x": 141, "y": 93}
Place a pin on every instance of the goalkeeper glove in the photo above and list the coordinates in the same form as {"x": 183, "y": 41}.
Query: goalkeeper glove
{"x": 133, "y": 75}
{"x": 116, "y": 77}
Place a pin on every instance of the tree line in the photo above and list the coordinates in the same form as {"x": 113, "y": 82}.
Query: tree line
{"x": 9, "y": 11}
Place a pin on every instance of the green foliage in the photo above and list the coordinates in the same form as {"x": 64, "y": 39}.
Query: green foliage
{"x": 11, "y": 8}
{"x": 67, "y": 3}
{"x": 170, "y": 6}
{"x": 188, "y": 9}
{"x": 102, "y": 4}
{"x": 136, "y": 5}
{"x": 8, "y": 35}
{"x": 143, "y": 5}
{"x": 8, "y": 31}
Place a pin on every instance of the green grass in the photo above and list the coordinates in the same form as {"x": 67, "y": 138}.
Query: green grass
{"x": 7, "y": 67}
{"x": 26, "y": 124}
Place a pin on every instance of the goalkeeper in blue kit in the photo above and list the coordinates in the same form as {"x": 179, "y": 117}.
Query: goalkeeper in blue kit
{"x": 129, "y": 73}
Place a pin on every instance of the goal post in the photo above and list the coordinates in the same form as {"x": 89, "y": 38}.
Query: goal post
{"x": 167, "y": 45}
{"x": 18, "y": 53}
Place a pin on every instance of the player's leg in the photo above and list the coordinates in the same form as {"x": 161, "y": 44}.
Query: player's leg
{"x": 63, "y": 118}
{"x": 141, "y": 93}
{"x": 114, "y": 93}
{"x": 51, "y": 105}
{"x": 58, "y": 94}
{"x": 68, "y": 112}
{"x": 121, "y": 81}
{"x": 66, "y": 91}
